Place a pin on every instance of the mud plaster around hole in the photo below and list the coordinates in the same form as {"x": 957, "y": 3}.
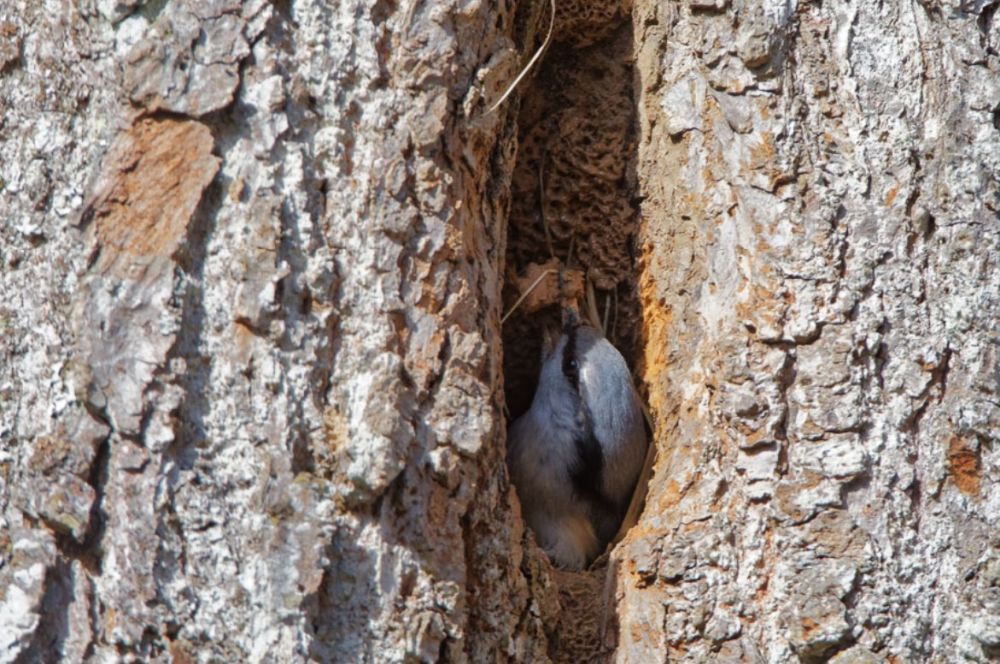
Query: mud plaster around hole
{"x": 576, "y": 166}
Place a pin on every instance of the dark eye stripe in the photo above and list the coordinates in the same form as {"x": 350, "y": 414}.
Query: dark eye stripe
{"x": 570, "y": 367}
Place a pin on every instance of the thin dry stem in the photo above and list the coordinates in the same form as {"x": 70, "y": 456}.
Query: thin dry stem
{"x": 534, "y": 58}
{"x": 607, "y": 313}
{"x": 541, "y": 205}
{"x": 526, "y": 293}
{"x": 638, "y": 501}
{"x": 595, "y": 318}
{"x": 614, "y": 321}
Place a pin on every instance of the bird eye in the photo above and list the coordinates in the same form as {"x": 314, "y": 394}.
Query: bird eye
{"x": 573, "y": 365}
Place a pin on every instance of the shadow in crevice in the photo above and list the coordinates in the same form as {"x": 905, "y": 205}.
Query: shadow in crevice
{"x": 574, "y": 196}
{"x": 53, "y": 628}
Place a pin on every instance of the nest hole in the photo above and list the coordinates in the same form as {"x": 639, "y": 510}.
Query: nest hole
{"x": 573, "y": 206}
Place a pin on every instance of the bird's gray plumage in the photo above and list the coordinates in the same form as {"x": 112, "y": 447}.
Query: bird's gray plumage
{"x": 576, "y": 454}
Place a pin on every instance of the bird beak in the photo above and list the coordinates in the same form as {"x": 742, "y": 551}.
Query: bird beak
{"x": 570, "y": 317}
{"x": 550, "y": 337}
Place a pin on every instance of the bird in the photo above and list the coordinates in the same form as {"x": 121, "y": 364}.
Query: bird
{"x": 576, "y": 454}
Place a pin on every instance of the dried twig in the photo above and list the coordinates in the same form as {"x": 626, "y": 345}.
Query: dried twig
{"x": 541, "y": 205}
{"x": 526, "y": 293}
{"x": 592, "y": 315}
{"x": 534, "y": 58}
{"x": 607, "y": 312}
{"x": 614, "y": 324}
{"x": 638, "y": 501}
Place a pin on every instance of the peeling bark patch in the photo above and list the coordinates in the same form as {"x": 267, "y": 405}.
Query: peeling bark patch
{"x": 142, "y": 203}
{"x": 10, "y": 46}
{"x": 188, "y": 61}
{"x": 964, "y": 466}
{"x": 151, "y": 182}
{"x": 657, "y": 327}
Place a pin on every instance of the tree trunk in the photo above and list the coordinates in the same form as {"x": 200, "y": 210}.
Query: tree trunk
{"x": 820, "y": 285}
{"x": 254, "y": 384}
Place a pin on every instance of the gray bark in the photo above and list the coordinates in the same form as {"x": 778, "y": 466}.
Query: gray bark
{"x": 820, "y": 291}
{"x": 253, "y": 260}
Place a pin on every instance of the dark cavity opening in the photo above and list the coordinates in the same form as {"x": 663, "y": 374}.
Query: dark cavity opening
{"x": 575, "y": 176}
{"x": 575, "y": 198}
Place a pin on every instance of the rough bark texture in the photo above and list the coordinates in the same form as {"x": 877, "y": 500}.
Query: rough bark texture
{"x": 253, "y": 257}
{"x": 820, "y": 286}
{"x": 251, "y": 351}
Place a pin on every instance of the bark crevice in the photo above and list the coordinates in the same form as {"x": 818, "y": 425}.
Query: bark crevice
{"x": 574, "y": 208}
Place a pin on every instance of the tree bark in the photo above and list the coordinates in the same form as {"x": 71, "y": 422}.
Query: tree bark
{"x": 251, "y": 351}
{"x": 254, "y": 384}
{"x": 819, "y": 290}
